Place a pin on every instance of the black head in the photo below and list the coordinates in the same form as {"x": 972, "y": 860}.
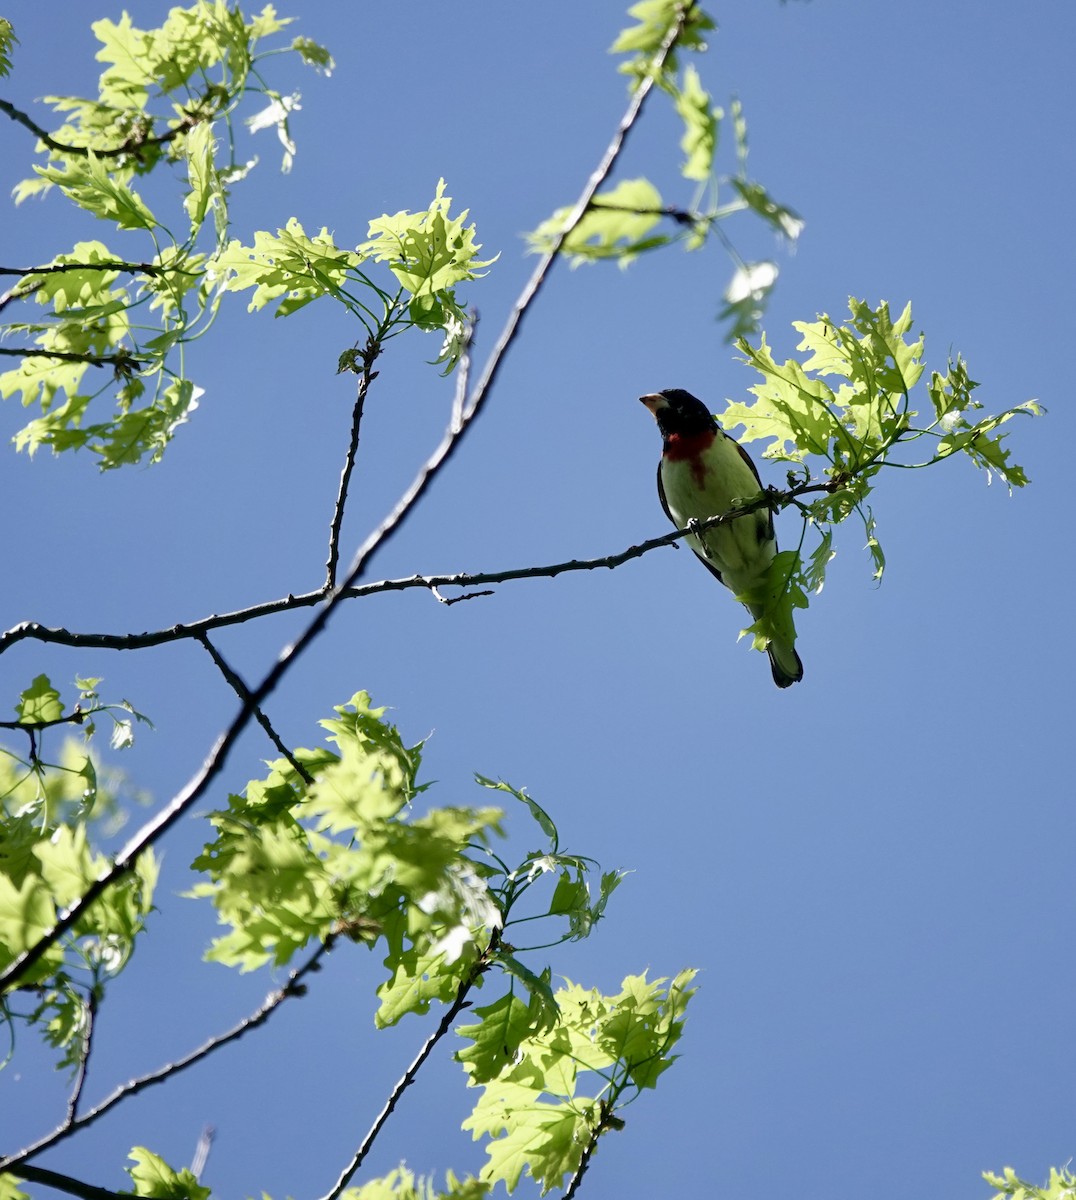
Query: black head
{"x": 679, "y": 413}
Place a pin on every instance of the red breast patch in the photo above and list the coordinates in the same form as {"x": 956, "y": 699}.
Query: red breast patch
{"x": 690, "y": 448}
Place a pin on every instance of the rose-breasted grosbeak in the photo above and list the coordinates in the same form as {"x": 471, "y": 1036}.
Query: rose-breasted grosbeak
{"x": 702, "y": 471}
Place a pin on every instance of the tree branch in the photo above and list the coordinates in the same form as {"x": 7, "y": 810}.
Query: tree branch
{"x": 24, "y": 289}
{"x": 134, "y": 144}
{"x": 588, "y": 1153}
{"x": 122, "y": 362}
{"x": 366, "y": 377}
{"x": 128, "y": 268}
{"x": 196, "y": 629}
{"x": 293, "y": 987}
{"x": 407, "y": 1078}
{"x": 242, "y": 691}
{"x": 154, "y": 829}
{"x": 65, "y": 1183}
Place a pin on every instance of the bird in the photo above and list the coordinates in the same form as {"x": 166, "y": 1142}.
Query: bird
{"x": 701, "y": 472}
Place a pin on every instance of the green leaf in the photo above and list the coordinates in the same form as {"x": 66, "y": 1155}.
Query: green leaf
{"x": 267, "y": 22}
{"x": 502, "y": 1026}
{"x": 68, "y": 866}
{"x": 1060, "y": 1185}
{"x": 287, "y": 266}
{"x": 8, "y": 41}
{"x": 314, "y": 55}
{"x": 292, "y": 862}
{"x": 783, "y": 220}
{"x": 534, "y": 1115}
{"x": 701, "y": 120}
{"x": 135, "y": 434}
{"x": 546, "y": 1140}
{"x": 951, "y": 398}
{"x": 418, "y": 979}
{"x": 746, "y": 297}
{"x": 9, "y": 1189}
{"x": 39, "y": 703}
{"x": 985, "y": 451}
{"x": 275, "y": 116}
{"x": 204, "y": 184}
{"x": 874, "y": 547}
{"x": 26, "y": 915}
{"x": 814, "y": 574}
{"x": 429, "y": 252}
{"x": 655, "y": 21}
{"x": 789, "y": 407}
{"x": 541, "y": 817}
{"x": 90, "y": 185}
{"x": 775, "y": 600}
{"x": 153, "y": 1177}
{"x": 542, "y": 1002}
{"x": 402, "y": 1184}
{"x": 617, "y": 225}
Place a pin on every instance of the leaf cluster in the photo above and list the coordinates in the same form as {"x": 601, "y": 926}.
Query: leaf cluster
{"x": 8, "y": 41}
{"x": 167, "y": 96}
{"x": 427, "y": 253}
{"x": 848, "y": 400}
{"x": 631, "y": 217}
{"x": 1060, "y": 1186}
{"x": 551, "y": 1089}
{"x": 49, "y": 811}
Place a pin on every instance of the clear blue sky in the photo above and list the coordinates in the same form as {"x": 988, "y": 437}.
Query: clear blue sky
{"x": 869, "y": 868}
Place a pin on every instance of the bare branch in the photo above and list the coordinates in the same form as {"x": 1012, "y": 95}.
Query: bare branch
{"x": 366, "y": 377}
{"x": 128, "y": 268}
{"x": 408, "y": 1077}
{"x": 458, "y": 599}
{"x": 29, "y": 284}
{"x": 293, "y": 987}
{"x": 196, "y": 629}
{"x": 585, "y": 1157}
{"x": 134, "y": 144}
{"x": 75, "y": 717}
{"x": 65, "y": 1183}
{"x": 122, "y": 362}
{"x": 243, "y": 692}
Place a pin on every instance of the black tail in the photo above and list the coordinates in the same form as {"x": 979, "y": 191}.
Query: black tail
{"x": 785, "y": 665}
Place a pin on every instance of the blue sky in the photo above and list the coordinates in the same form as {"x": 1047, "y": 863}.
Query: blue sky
{"x": 868, "y": 869}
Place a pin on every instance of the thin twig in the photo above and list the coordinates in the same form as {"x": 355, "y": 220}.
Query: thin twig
{"x": 293, "y": 987}
{"x": 458, "y": 599}
{"x": 134, "y": 144}
{"x": 237, "y": 685}
{"x": 24, "y": 289}
{"x": 584, "y": 1159}
{"x": 154, "y": 829}
{"x": 195, "y": 629}
{"x": 75, "y": 717}
{"x": 405, "y": 1080}
{"x": 366, "y": 377}
{"x": 122, "y": 362}
{"x": 120, "y": 265}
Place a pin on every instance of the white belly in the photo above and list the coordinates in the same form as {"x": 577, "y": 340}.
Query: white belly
{"x": 740, "y": 551}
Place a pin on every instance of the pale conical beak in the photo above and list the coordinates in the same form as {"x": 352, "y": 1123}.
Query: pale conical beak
{"x": 654, "y": 402}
